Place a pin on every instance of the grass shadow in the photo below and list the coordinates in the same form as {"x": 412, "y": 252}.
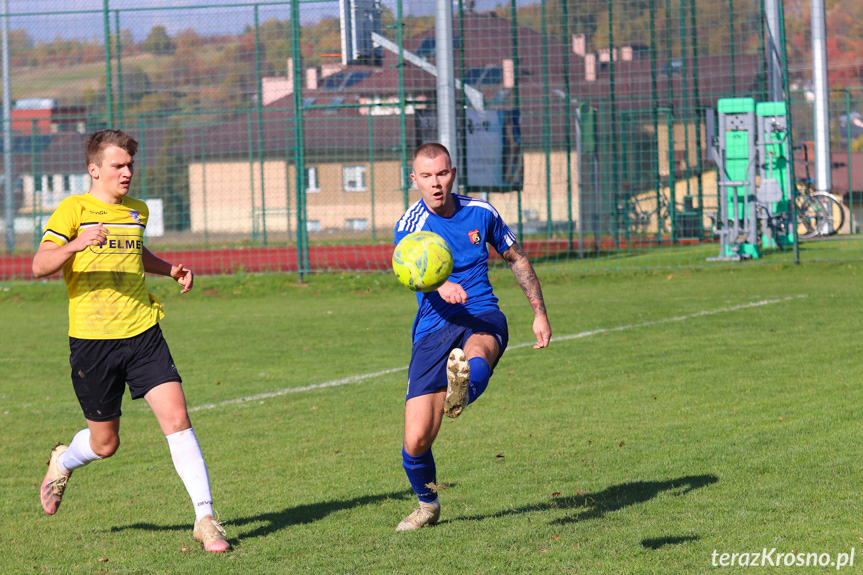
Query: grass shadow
{"x": 617, "y": 497}
{"x": 663, "y": 541}
{"x": 597, "y": 505}
{"x": 279, "y": 520}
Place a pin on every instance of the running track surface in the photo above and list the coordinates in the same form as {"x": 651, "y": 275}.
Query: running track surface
{"x": 217, "y": 261}
{"x": 272, "y": 259}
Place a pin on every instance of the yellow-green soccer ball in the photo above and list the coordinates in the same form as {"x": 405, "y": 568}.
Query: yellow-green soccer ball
{"x": 422, "y": 261}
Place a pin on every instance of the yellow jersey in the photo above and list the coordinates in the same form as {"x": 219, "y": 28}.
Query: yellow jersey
{"x": 108, "y": 298}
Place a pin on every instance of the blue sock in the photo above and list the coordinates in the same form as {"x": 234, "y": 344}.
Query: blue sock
{"x": 421, "y": 471}
{"x": 479, "y": 376}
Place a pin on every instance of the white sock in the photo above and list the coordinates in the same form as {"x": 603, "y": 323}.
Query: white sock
{"x": 79, "y": 453}
{"x": 190, "y": 466}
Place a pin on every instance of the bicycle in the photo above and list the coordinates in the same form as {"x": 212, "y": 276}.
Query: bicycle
{"x": 645, "y": 214}
{"x": 819, "y": 213}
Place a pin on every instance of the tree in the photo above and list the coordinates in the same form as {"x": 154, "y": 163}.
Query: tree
{"x": 158, "y": 42}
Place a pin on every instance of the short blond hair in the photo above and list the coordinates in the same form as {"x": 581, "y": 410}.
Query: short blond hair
{"x": 432, "y": 150}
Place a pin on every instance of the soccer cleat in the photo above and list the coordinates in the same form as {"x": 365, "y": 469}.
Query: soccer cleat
{"x": 424, "y": 515}
{"x": 54, "y": 483}
{"x": 457, "y": 379}
{"x": 211, "y": 533}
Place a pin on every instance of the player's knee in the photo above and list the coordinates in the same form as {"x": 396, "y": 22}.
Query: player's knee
{"x": 417, "y": 445}
{"x": 105, "y": 447}
{"x": 178, "y": 424}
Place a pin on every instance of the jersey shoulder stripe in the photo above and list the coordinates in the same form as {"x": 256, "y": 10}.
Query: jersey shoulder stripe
{"x": 468, "y": 202}
{"x": 113, "y": 225}
{"x": 509, "y": 237}
{"x": 414, "y": 218}
{"x": 52, "y": 233}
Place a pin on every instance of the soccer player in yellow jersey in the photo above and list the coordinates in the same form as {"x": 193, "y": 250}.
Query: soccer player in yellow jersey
{"x": 97, "y": 239}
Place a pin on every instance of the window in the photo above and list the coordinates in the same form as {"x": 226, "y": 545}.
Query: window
{"x": 675, "y": 66}
{"x": 484, "y": 76}
{"x": 312, "y": 180}
{"x": 313, "y": 225}
{"x": 67, "y": 183}
{"x": 356, "y": 224}
{"x": 354, "y": 178}
{"x": 342, "y": 80}
{"x": 429, "y": 45}
{"x": 337, "y": 101}
{"x": 37, "y": 183}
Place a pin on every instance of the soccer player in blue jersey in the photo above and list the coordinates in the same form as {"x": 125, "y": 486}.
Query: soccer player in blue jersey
{"x": 97, "y": 239}
{"x": 459, "y": 333}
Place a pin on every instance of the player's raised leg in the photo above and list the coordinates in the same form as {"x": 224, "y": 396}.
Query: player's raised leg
{"x": 468, "y": 372}
{"x": 169, "y": 406}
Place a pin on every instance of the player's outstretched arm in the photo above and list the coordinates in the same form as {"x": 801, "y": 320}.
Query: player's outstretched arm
{"x": 50, "y": 257}
{"x": 156, "y": 265}
{"x": 524, "y": 273}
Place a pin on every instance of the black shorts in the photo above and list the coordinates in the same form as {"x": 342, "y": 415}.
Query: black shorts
{"x": 102, "y": 367}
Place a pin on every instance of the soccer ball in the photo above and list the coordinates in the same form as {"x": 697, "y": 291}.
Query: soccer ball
{"x": 422, "y": 261}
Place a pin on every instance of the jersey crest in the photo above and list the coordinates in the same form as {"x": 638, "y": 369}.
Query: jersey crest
{"x": 474, "y": 236}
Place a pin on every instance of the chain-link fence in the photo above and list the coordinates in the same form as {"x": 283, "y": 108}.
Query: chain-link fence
{"x": 265, "y": 145}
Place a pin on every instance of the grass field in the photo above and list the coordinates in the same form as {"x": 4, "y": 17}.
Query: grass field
{"x": 675, "y": 414}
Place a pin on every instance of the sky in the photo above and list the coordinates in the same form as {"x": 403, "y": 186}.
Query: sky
{"x": 45, "y": 20}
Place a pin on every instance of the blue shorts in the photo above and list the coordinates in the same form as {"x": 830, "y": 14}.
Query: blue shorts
{"x": 427, "y": 370}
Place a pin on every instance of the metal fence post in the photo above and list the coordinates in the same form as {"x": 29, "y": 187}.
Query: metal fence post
{"x": 299, "y": 146}
{"x": 372, "y": 171}
{"x": 612, "y": 123}
{"x": 546, "y": 122}
{"x": 848, "y": 160}
{"x": 260, "y": 125}
{"x": 402, "y": 113}
{"x": 251, "y": 152}
{"x": 8, "y": 190}
{"x": 517, "y": 99}
{"x": 568, "y": 133}
{"x": 109, "y": 91}
{"x": 119, "y": 70}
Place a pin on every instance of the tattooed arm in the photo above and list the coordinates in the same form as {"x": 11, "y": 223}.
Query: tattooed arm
{"x": 524, "y": 273}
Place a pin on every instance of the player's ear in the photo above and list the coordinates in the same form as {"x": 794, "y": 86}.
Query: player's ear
{"x": 94, "y": 171}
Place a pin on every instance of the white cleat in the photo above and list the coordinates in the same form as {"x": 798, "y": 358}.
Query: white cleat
{"x": 457, "y": 379}
{"x": 423, "y": 516}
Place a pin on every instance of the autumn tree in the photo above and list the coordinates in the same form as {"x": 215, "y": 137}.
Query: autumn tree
{"x": 158, "y": 42}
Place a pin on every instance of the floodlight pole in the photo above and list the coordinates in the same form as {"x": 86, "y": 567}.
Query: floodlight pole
{"x": 775, "y": 89}
{"x": 823, "y": 171}
{"x": 9, "y": 212}
{"x": 446, "y": 110}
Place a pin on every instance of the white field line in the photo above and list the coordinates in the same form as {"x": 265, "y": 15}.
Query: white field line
{"x": 358, "y": 378}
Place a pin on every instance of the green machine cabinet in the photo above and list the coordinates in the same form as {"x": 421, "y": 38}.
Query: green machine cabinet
{"x": 735, "y": 154}
{"x": 774, "y": 187}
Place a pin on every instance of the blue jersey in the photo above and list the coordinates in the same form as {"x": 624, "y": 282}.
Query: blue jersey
{"x": 474, "y": 224}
